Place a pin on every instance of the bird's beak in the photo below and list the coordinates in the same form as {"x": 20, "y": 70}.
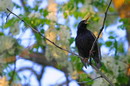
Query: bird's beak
{"x": 86, "y": 20}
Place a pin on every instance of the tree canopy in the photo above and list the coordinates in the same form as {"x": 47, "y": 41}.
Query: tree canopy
{"x": 43, "y": 32}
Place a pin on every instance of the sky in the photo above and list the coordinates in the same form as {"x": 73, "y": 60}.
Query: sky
{"x": 53, "y": 76}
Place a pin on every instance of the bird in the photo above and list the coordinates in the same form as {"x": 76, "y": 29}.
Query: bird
{"x": 84, "y": 41}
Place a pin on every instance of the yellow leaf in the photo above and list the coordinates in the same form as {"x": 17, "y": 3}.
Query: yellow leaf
{"x": 4, "y": 82}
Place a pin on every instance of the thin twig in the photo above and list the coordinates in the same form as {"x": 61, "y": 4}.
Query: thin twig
{"x": 90, "y": 80}
{"x": 7, "y": 16}
{"x": 100, "y": 29}
{"x": 68, "y": 50}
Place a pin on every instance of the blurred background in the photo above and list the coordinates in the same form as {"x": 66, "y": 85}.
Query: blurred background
{"x": 27, "y": 59}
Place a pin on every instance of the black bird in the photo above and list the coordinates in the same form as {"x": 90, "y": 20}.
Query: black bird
{"x": 84, "y": 41}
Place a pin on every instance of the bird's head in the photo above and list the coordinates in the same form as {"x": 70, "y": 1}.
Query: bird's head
{"x": 83, "y": 23}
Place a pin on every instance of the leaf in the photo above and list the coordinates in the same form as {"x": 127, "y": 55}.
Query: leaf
{"x": 111, "y": 37}
{"x": 105, "y": 69}
{"x": 65, "y": 15}
{"x": 76, "y": 63}
{"x": 38, "y": 38}
{"x": 17, "y": 6}
{"x": 108, "y": 43}
{"x": 111, "y": 9}
{"x": 116, "y": 47}
{"x": 71, "y": 40}
{"x": 36, "y": 8}
{"x": 121, "y": 27}
{"x": 79, "y": 66}
{"x": 123, "y": 79}
{"x": 45, "y": 13}
{"x": 9, "y": 23}
{"x": 1, "y": 33}
{"x": 42, "y": 30}
{"x": 96, "y": 18}
{"x": 73, "y": 58}
{"x": 121, "y": 48}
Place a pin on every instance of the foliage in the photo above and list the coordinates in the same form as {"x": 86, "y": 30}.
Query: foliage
{"x": 49, "y": 21}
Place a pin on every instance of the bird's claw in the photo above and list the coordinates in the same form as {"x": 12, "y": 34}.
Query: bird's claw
{"x": 85, "y": 60}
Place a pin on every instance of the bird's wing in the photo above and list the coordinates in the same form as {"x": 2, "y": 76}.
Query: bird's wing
{"x": 81, "y": 43}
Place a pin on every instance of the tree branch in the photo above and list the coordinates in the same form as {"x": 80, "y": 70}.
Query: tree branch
{"x": 101, "y": 28}
{"x": 68, "y": 50}
{"x": 95, "y": 43}
{"x": 37, "y": 58}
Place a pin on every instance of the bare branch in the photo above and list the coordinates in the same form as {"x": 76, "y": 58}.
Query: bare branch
{"x": 37, "y": 58}
{"x": 100, "y": 29}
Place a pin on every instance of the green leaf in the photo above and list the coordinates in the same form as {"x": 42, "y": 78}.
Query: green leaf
{"x": 111, "y": 9}
{"x": 76, "y": 63}
{"x": 108, "y": 43}
{"x": 71, "y": 40}
{"x": 36, "y": 8}
{"x": 17, "y": 6}
{"x": 105, "y": 69}
{"x": 79, "y": 66}
{"x": 9, "y": 23}
{"x": 65, "y": 15}
{"x": 121, "y": 48}
{"x": 96, "y": 18}
{"x": 45, "y": 13}
{"x": 111, "y": 37}
{"x": 42, "y": 31}
{"x": 73, "y": 58}
{"x": 123, "y": 79}
{"x": 1, "y": 34}
{"x": 116, "y": 47}
{"x": 128, "y": 60}
{"x": 121, "y": 27}
{"x": 39, "y": 39}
